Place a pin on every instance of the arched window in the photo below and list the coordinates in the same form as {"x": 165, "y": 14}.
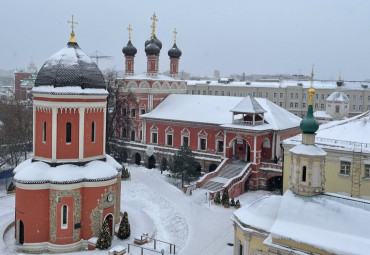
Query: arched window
{"x": 93, "y": 132}
{"x": 64, "y": 216}
{"x": 68, "y": 132}
{"x": 44, "y": 131}
{"x": 304, "y": 174}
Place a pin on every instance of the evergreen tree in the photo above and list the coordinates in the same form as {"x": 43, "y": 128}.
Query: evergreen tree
{"x": 124, "y": 230}
{"x": 237, "y": 204}
{"x": 184, "y": 166}
{"x": 125, "y": 173}
{"x": 105, "y": 238}
{"x": 217, "y": 197}
{"x": 225, "y": 198}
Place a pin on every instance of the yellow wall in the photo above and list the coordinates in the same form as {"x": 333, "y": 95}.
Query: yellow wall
{"x": 256, "y": 243}
{"x": 334, "y": 183}
{"x": 300, "y": 246}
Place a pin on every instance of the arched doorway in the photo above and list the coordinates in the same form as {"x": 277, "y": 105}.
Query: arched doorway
{"x": 109, "y": 219}
{"x": 246, "y": 185}
{"x": 151, "y": 162}
{"x": 164, "y": 164}
{"x": 20, "y": 232}
{"x": 240, "y": 149}
{"x": 132, "y": 136}
{"x": 275, "y": 183}
{"x": 212, "y": 167}
{"x": 137, "y": 158}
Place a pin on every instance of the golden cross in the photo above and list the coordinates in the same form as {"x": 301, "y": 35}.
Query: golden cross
{"x": 72, "y": 22}
{"x": 175, "y": 33}
{"x": 154, "y": 18}
{"x": 129, "y": 32}
{"x": 312, "y": 73}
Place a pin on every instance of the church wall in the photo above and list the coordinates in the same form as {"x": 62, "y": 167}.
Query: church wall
{"x": 36, "y": 225}
{"x": 43, "y": 149}
{"x": 64, "y": 234}
{"x": 64, "y": 150}
{"x": 92, "y": 149}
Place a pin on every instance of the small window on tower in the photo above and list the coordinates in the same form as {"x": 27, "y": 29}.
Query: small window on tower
{"x": 93, "y": 132}
{"x": 44, "y": 131}
{"x": 64, "y": 216}
{"x": 68, "y": 132}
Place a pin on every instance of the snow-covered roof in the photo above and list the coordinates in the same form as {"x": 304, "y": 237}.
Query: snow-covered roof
{"x": 346, "y": 134}
{"x": 317, "y": 84}
{"x": 248, "y": 105}
{"x": 145, "y": 76}
{"x": 216, "y": 110}
{"x": 338, "y": 96}
{"x": 41, "y": 172}
{"x": 322, "y": 114}
{"x": 329, "y": 222}
{"x": 68, "y": 90}
{"x": 308, "y": 149}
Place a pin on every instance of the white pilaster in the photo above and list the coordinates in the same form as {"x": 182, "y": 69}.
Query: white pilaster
{"x": 273, "y": 145}
{"x": 54, "y": 133}
{"x": 33, "y": 129}
{"x": 81, "y": 133}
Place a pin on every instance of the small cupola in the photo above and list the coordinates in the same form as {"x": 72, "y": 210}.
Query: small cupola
{"x": 248, "y": 112}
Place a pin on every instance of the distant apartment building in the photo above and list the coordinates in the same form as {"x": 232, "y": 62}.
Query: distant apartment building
{"x": 289, "y": 93}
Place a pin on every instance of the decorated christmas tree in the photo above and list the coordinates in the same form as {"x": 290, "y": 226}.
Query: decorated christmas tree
{"x": 104, "y": 240}
{"x": 124, "y": 230}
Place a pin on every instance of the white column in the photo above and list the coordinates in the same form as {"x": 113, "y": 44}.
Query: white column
{"x": 278, "y": 145}
{"x": 255, "y": 149}
{"x": 144, "y": 131}
{"x": 54, "y": 133}
{"x": 224, "y": 152}
{"x": 105, "y": 127}
{"x": 33, "y": 129}
{"x": 81, "y": 134}
{"x": 254, "y": 118}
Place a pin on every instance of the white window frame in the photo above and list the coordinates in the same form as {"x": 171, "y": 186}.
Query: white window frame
{"x": 219, "y": 137}
{"x": 202, "y": 135}
{"x": 185, "y": 133}
{"x": 169, "y": 131}
{"x": 367, "y": 171}
{"x": 63, "y": 226}
{"x": 142, "y": 107}
{"x": 154, "y": 129}
{"x": 345, "y": 168}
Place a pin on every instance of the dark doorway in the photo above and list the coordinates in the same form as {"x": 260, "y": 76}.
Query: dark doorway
{"x": 198, "y": 167}
{"x": 275, "y": 183}
{"x": 151, "y": 162}
{"x": 132, "y": 135}
{"x": 137, "y": 158}
{"x": 248, "y": 153}
{"x": 109, "y": 219}
{"x": 21, "y": 232}
{"x": 246, "y": 185}
{"x": 164, "y": 164}
{"x": 212, "y": 167}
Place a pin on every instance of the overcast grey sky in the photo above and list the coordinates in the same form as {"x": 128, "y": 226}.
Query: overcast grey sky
{"x": 264, "y": 37}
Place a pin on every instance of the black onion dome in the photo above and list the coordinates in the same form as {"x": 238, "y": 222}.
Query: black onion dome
{"x": 156, "y": 41}
{"x": 152, "y": 48}
{"x": 174, "y": 52}
{"x": 70, "y": 67}
{"x": 129, "y": 49}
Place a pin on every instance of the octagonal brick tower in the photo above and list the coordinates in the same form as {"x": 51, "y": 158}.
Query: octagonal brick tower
{"x": 70, "y": 186}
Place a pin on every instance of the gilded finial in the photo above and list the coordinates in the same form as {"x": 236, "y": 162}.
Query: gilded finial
{"x": 73, "y": 39}
{"x": 174, "y": 34}
{"x": 154, "y": 18}
{"x": 311, "y": 90}
{"x": 129, "y": 32}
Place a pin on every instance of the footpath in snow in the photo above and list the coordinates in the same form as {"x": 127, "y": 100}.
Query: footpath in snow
{"x": 158, "y": 208}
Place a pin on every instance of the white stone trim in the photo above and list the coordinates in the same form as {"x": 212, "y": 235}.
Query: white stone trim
{"x": 67, "y": 96}
{"x": 33, "y": 128}
{"x": 71, "y": 186}
{"x": 104, "y": 127}
{"x": 69, "y": 105}
{"x": 54, "y": 124}
{"x": 54, "y": 248}
{"x": 255, "y": 149}
{"x": 70, "y": 160}
{"x": 81, "y": 133}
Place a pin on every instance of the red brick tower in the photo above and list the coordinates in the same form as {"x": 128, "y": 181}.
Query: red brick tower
{"x": 174, "y": 53}
{"x": 129, "y": 51}
{"x": 70, "y": 186}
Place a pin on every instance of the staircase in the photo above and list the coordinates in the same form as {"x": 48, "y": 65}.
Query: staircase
{"x": 230, "y": 171}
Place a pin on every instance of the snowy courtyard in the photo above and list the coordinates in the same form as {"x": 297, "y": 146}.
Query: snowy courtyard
{"x": 157, "y": 207}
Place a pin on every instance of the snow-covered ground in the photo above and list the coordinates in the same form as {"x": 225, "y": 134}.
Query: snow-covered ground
{"x": 158, "y": 208}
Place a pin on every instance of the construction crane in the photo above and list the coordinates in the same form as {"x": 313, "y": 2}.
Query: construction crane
{"x": 97, "y": 56}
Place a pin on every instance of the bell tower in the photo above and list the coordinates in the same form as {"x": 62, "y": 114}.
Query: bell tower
{"x": 307, "y": 176}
